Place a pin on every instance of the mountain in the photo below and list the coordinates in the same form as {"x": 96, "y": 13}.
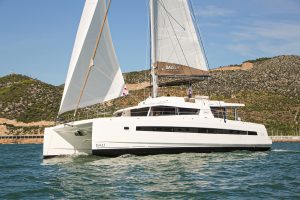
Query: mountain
{"x": 270, "y": 88}
{"x": 26, "y": 99}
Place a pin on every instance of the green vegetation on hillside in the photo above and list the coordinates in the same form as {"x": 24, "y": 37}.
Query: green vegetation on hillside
{"x": 137, "y": 76}
{"x": 270, "y": 91}
{"x": 258, "y": 60}
{"x": 26, "y": 99}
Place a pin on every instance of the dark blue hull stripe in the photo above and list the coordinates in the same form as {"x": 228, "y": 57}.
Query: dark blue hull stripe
{"x": 175, "y": 150}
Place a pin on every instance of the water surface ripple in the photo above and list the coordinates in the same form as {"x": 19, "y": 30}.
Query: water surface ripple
{"x": 235, "y": 175}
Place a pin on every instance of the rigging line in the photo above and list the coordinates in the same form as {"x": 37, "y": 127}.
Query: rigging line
{"x": 101, "y": 31}
{"x": 190, "y": 29}
{"x": 202, "y": 45}
{"x": 170, "y": 38}
{"x": 198, "y": 32}
{"x": 171, "y": 15}
{"x": 176, "y": 37}
{"x": 153, "y": 52}
{"x": 151, "y": 48}
{"x": 208, "y": 87}
{"x": 148, "y": 45}
{"x": 92, "y": 59}
{"x": 174, "y": 46}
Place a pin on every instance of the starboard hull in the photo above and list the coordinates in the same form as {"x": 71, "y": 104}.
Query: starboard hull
{"x": 117, "y": 136}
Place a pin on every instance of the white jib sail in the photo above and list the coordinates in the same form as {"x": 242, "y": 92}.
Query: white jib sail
{"x": 174, "y": 35}
{"x": 105, "y": 80}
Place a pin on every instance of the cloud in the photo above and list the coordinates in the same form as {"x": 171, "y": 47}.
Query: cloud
{"x": 242, "y": 49}
{"x": 267, "y": 30}
{"x": 280, "y": 48}
{"x": 213, "y": 11}
{"x": 278, "y": 30}
{"x": 281, "y": 6}
{"x": 271, "y": 38}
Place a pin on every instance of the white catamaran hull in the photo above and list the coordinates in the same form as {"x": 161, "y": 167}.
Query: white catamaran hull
{"x": 166, "y": 124}
{"x": 153, "y": 135}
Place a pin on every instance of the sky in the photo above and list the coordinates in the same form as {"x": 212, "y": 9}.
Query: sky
{"x": 37, "y": 36}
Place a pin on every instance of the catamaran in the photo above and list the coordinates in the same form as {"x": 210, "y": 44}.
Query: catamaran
{"x": 159, "y": 124}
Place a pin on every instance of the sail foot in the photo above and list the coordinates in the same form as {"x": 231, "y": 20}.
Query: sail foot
{"x": 177, "y": 70}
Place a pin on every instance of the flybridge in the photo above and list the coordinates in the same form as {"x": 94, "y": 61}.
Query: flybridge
{"x": 167, "y": 106}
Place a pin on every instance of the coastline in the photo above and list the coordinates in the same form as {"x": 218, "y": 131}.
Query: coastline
{"x": 21, "y": 139}
{"x": 39, "y": 139}
{"x": 285, "y": 138}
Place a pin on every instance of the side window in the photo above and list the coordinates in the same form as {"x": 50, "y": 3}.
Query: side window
{"x": 218, "y": 112}
{"x": 188, "y": 111}
{"x": 139, "y": 112}
{"x": 162, "y": 111}
{"x": 118, "y": 114}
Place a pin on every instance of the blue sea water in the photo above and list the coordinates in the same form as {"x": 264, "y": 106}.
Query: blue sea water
{"x": 236, "y": 175}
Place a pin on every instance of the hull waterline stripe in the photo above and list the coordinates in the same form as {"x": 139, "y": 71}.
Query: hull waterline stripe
{"x": 155, "y": 151}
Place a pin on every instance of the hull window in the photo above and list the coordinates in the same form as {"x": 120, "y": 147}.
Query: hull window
{"x": 194, "y": 130}
{"x": 252, "y": 133}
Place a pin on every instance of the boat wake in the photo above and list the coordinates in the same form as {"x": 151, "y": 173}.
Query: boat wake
{"x": 285, "y": 151}
{"x": 127, "y": 156}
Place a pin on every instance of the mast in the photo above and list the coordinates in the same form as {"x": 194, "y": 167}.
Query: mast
{"x": 152, "y": 51}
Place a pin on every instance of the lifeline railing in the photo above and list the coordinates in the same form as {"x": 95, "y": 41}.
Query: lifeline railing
{"x": 92, "y": 114}
{"x": 292, "y": 130}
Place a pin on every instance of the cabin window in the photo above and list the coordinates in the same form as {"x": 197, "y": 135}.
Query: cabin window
{"x": 194, "y": 130}
{"x": 188, "y": 111}
{"x": 139, "y": 112}
{"x": 218, "y": 112}
{"x": 163, "y": 110}
{"x": 118, "y": 114}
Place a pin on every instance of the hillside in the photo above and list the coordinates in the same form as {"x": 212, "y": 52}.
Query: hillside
{"x": 26, "y": 99}
{"x": 270, "y": 88}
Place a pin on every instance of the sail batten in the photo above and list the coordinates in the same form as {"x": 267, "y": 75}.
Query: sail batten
{"x": 105, "y": 80}
{"x": 175, "y": 39}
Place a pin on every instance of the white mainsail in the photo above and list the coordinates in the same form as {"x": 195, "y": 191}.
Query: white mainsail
{"x": 174, "y": 37}
{"x": 105, "y": 80}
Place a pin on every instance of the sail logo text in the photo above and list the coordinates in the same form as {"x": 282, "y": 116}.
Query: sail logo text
{"x": 170, "y": 67}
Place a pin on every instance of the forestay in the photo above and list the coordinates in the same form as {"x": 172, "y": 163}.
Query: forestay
{"x": 105, "y": 80}
{"x": 175, "y": 42}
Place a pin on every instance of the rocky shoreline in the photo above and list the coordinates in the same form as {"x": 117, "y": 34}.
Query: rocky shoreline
{"x": 40, "y": 140}
{"x": 22, "y": 141}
